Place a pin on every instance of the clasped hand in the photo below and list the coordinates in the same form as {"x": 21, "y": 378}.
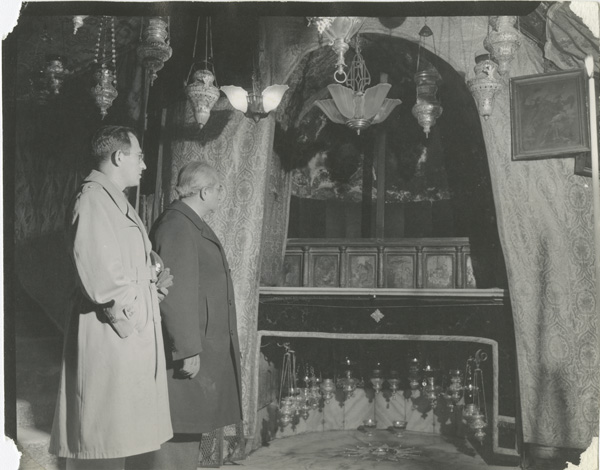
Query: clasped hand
{"x": 191, "y": 366}
{"x": 163, "y": 282}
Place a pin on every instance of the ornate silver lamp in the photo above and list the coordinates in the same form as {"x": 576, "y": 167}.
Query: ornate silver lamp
{"x": 154, "y": 50}
{"x": 485, "y": 85}
{"x": 502, "y": 41}
{"x": 104, "y": 92}
{"x": 201, "y": 90}
{"x": 427, "y": 108}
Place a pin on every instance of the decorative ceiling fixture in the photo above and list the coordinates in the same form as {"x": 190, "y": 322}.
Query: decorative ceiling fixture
{"x": 351, "y": 104}
{"x": 502, "y": 41}
{"x": 427, "y": 108}
{"x": 339, "y": 31}
{"x": 256, "y": 104}
{"x": 78, "y": 22}
{"x": 104, "y": 92}
{"x": 200, "y": 91}
{"x": 154, "y": 50}
{"x": 485, "y": 85}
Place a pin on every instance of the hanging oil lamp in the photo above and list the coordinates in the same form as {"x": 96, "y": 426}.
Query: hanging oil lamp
{"x": 200, "y": 91}
{"x": 55, "y": 73}
{"x": 427, "y": 108}
{"x": 485, "y": 85}
{"x": 154, "y": 50}
{"x": 502, "y": 41}
{"x": 376, "y": 379}
{"x": 104, "y": 92}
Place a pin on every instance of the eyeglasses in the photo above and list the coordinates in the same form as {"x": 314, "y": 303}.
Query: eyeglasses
{"x": 141, "y": 157}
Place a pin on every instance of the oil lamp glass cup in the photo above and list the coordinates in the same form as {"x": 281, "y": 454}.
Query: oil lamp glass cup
{"x": 377, "y": 383}
{"x": 469, "y": 411}
{"x": 477, "y": 425}
{"x": 369, "y": 425}
{"x": 398, "y": 427}
{"x": 394, "y": 384}
{"x": 327, "y": 389}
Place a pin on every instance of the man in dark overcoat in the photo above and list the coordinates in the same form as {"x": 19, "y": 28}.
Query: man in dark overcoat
{"x": 199, "y": 319}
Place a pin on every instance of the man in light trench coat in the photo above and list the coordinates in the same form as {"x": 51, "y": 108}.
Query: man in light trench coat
{"x": 113, "y": 398}
{"x": 199, "y": 319}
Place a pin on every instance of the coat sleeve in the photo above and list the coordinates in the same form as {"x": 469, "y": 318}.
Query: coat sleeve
{"x": 97, "y": 256}
{"x": 173, "y": 239}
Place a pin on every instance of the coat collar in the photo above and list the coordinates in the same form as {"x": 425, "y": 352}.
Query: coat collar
{"x": 120, "y": 201}
{"x": 204, "y": 228}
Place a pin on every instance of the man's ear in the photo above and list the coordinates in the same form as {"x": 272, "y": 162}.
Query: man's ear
{"x": 202, "y": 193}
{"x": 117, "y": 157}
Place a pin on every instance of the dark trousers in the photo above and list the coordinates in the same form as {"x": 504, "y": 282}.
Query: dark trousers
{"x": 180, "y": 453}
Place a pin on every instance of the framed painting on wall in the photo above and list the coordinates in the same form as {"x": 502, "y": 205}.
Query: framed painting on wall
{"x": 548, "y": 115}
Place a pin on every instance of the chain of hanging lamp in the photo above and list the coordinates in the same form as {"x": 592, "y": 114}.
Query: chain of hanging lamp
{"x": 104, "y": 92}
{"x": 202, "y": 90}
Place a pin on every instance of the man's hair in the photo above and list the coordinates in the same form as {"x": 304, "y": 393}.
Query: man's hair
{"x": 108, "y": 139}
{"x": 193, "y": 177}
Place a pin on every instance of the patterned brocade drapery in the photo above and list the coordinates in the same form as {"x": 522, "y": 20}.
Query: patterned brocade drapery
{"x": 544, "y": 215}
{"x": 241, "y": 154}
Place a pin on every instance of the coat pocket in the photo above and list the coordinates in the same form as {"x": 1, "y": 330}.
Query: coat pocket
{"x": 121, "y": 318}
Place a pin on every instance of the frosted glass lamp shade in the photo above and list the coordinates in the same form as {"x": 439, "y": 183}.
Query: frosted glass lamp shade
{"x": 272, "y": 96}
{"x": 358, "y": 110}
{"x": 237, "y": 96}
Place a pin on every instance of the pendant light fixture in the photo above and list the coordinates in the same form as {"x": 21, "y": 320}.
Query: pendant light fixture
{"x": 485, "y": 84}
{"x": 200, "y": 90}
{"x": 502, "y": 41}
{"x": 105, "y": 76}
{"x": 338, "y": 31}
{"x": 352, "y": 104}
{"x": 255, "y": 104}
{"x": 427, "y": 108}
{"x": 155, "y": 50}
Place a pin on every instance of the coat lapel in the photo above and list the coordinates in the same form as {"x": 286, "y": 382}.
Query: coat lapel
{"x": 121, "y": 202}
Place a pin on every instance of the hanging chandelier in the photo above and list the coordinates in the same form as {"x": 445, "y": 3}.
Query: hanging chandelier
{"x": 154, "y": 50}
{"x": 354, "y": 106}
{"x": 338, "y": 31}
{"x": 104, "y": 92}
{"x": 427, "y": 108}
{"x": 502, "y": 41}
{"x": 200, "y": 91}
{"x": 485, "y": 85}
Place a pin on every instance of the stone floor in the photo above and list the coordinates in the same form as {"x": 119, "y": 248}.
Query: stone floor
{"x": 354, "y": 450}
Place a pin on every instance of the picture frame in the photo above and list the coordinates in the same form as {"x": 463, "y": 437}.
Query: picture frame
{"x": 583, "y": 164}
{"x": 549, "y": 116}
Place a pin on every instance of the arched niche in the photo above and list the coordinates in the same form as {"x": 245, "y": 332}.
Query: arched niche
{"x": 453, "y": 159}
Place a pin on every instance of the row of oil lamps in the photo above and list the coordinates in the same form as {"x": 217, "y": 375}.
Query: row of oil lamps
{"x": 465, "y": 390}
